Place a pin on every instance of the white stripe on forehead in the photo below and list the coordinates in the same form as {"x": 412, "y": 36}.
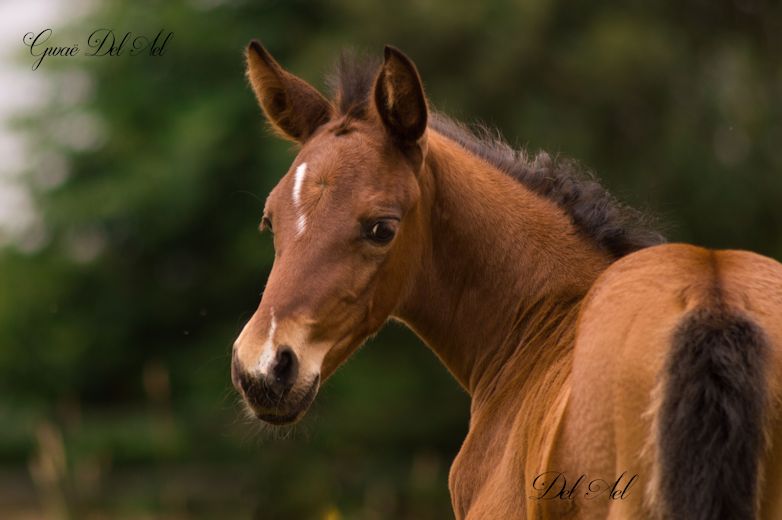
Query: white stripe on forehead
{"x": 298, "y": 180}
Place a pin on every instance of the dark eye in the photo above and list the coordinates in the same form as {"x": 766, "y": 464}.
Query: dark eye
{"x": 266, "y": 223}
{"x": 381, "y": 231}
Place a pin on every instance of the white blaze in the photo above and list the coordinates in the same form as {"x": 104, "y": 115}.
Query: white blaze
{"x": 298, "y": 180}
{"x": 267, "y": 351}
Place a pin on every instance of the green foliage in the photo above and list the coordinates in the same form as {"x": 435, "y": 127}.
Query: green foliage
{"x": 115, "y": 332}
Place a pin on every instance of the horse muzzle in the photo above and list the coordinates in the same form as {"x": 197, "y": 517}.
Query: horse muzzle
{"x": 279, "y": 396}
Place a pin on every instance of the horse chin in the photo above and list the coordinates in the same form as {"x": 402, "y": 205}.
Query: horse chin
{"x": 293, "y": 412}
{"x": 280, "y": 420}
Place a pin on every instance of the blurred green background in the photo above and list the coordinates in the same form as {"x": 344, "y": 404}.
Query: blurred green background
{"x": 119, "y": 304}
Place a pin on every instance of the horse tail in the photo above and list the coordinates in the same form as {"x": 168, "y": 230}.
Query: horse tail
{"x": 710, "y": 427}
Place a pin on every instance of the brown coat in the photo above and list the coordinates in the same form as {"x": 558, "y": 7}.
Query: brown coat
{"x": 610, "y": 377}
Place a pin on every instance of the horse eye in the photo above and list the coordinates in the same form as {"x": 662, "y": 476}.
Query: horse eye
{"x": 266, "y": 223}
{"x": 381, "y": 231}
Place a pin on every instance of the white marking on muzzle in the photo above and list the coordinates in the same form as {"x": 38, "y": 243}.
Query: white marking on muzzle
{"x": 268, "y": 351}
{"x": 298, "y": 180}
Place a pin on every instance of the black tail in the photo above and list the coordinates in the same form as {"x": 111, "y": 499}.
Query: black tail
{"x": 711, "y": 419}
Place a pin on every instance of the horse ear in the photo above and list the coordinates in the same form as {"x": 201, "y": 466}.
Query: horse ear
{"x": 399, "y": 97}
{"x": 294, "y": 108}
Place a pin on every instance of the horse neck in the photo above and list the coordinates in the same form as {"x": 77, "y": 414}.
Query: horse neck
{"x": 502, "y": 275}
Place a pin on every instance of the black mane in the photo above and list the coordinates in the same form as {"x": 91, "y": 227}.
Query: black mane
{"x": 615, "y": 227}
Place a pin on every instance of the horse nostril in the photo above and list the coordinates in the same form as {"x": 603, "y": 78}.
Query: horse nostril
{"x": 267, "y": 390}
{"x": 285, "y": 368}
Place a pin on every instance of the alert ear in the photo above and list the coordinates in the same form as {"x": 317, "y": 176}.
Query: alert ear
{"x": 399, "y": 97}
{"x": 294, "y": 108}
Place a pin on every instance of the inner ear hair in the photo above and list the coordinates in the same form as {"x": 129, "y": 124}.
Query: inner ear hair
{"x": 399, "y": 97}
{"x": 294, "y": 108}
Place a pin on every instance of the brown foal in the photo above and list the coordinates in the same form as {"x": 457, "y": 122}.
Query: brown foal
{"x": 611, "y": 376}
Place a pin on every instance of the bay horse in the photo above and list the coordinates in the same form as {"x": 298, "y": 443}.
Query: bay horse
{"x": 611, "y": 375}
